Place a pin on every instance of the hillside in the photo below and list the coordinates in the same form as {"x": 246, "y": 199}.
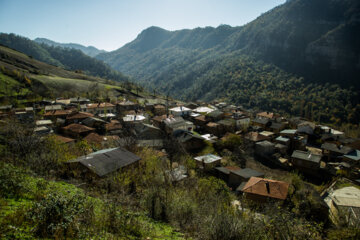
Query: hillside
{"x": 255, "y": 65}
{"x": 70, "y": 59}
{"x": 321, "y": 34}
{"x": 23, "y": 77}
{"x": 90, "y": 50}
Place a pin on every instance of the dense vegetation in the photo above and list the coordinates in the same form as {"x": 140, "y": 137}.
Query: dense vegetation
{"x": 90, "y": 51}
{"x": 126, "y": 204}
{"x": 300, "y": 58}
{"x": 68, "y": 58}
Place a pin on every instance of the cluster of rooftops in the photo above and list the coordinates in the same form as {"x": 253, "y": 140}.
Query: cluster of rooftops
{"x": 294, "y": 143}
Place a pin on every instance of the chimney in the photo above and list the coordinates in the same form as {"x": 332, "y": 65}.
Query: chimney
{"x": 268, "y": 187}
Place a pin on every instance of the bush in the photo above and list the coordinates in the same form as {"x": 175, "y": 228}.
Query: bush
{"x": 12, "y": 181}
{"x": 57, "y": 215}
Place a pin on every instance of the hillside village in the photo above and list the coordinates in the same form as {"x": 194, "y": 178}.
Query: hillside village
{"x": 258, "y": 143}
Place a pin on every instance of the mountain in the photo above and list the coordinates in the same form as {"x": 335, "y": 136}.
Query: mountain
{"x": 314, "y": 39}
{"x": 90, "y": 50}
{"x": 301, "y": 58}
{"x": 23, "y": 79}
{"x": 68, "y": 58}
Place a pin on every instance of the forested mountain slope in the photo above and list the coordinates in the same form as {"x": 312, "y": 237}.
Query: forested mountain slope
{"x": 301, "y": 58}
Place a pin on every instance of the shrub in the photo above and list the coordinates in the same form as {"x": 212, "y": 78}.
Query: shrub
{"x": 12, "y": 181}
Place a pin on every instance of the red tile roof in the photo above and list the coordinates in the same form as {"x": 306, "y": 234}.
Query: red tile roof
{"x": 266, "y": 115}
{"x": 55, "y": 113}
{"x": 267, "y": 187}
{"x": 113, "y": 125}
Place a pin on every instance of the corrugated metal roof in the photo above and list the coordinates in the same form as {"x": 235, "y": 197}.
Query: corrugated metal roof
{"x": 306, "y": 156}
{"x": 106, "y": 161}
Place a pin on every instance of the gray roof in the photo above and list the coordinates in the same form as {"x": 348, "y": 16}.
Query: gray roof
{"x": 354, "y": 155}
{"x": 247, "y": 173}
{"x": 261, "y": 120}
{"x": 334, "y": 148}
{"x": 306, "y": 156}
{"x": 275, "y": 125}
{"x": 53, "y": 107}
{"x": 289, "y": 131}
{"x": 106, "y": 161}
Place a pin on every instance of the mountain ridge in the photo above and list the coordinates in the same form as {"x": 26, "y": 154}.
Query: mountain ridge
{"x": 88, "y": 50}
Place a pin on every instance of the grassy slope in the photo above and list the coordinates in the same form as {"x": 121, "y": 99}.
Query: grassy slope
{"x": 10, "y": 206}
{"x": 42, "y": 75}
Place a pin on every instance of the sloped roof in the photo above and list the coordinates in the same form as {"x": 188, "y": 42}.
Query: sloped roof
{"x": 255, "y": 137}
{"x": 78, "y": 128}
{"x": 106, "y": 161}
{"x": 53, "y": 107}
{"x": 57, "y": 113}
{"x": 113, "y": 125}
{"x": 306, "y": 156}
{"x": 334, "y": 148}
{"x": 99, "y": 105}
{"x": 79, "y": 115}
{"x": 261, "y": 120}
{"x": 267, "y": 187}
{"x": 354, "y": 155}
{"x": 265, "y": 115}
{"x": 247, "y": 173}
{"x": 63, "y": 139}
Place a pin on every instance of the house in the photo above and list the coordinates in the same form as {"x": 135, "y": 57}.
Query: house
{"x": 345, "y": 203}
{"x": 214, "y": 128}
{"x": 215, "y": 115}
{"x": 79, "y": 100}
{"x": 262, "y": 189}
{"x": 147, "y": 132}
{"x": 132, "y": 119}
{"x": 159, "y": 110}
{"x": 228, "y": 125}
{"x": 334, "y": 152}
{"x": 200, "y": 121}
{"x": 52, "y": 108}
{"x": 180, "y": 111}
{"x": 41, "y": 123}
{"x": 236, "y": 177}
{"x": 261, "y": 122}
{"x": 77, "y": 117}
{"x": 276, "y": 127}
{"x": 264, "y": 148}
{"x": 43, "y": 130}
{"x": 158, "y": 121}
{"x": 93, "y": 122}
{"x": 290, "y": 133}
{"x": 242, "y": 122}
{"x": 203, "y": 110}
{"x": 268, "y": 134}
{"x": 188, "y": 140}
{"x": 103, "y": 162}
{"x": 126, "y": 106}
{"x": 177, "y": 123}
{"x": 63, "y": 102}
{"x": 76, "y": 130}
{"x": 207, "y": 161}
{"x": 114, "y": 127}
{"x": 267, "y": 115}
{"x": 305, "y": 160}
{"x": 224, "y": 172}
{"x": 54, "y": 114}
{"x": 352, "y": 157}
{"x": 306, "y": 127}
{"x": 101, "y": 108}
{"x": 283, "y": 140}
{"x": 254, "y": 137}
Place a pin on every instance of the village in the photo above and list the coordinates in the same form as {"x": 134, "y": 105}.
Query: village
{"x": 319, "y": 153}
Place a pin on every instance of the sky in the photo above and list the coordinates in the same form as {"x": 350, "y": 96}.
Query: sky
{"x": 109, "y": 24}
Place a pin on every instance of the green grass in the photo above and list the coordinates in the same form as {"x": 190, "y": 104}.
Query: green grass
{"x": 12, "y": 209}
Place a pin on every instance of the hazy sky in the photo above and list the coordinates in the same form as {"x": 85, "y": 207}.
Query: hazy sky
{"x": 109, "y": 24}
